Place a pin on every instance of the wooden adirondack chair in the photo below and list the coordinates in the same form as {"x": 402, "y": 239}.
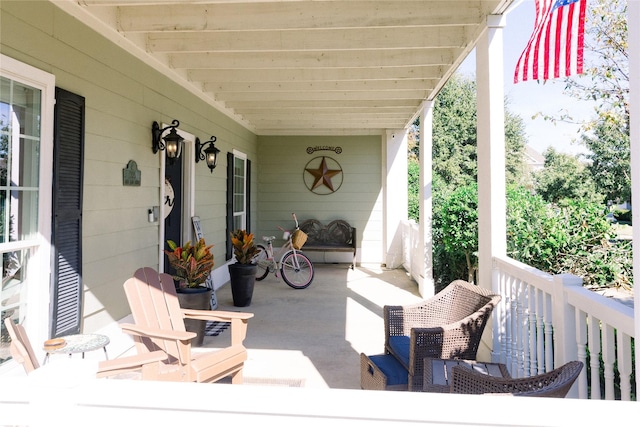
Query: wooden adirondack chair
{"x": 159, "y": 325}
{"x": 22, "y": 352}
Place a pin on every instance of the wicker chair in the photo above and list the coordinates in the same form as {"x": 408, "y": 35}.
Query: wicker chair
{"x": 448, "y": 325}
{"x": 556, "y": 383}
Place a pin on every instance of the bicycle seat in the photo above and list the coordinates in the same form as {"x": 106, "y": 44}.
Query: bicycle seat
{"x": 268, "y": 238}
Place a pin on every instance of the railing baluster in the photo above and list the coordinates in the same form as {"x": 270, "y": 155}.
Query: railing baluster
{"x": 624, "y": 364}
{"x": 608, "y": 357}
{"x": 519, "y": 327}
{"x": 533, "y": 346}
{"x": 505, "y": 319}
{"x": 581, "y": 342}
{"x": 513, "y": 313}
{"x": 526, "y": 334}
{"x": 548, "y": 333}
{"x": 540, "y": 331}
{"x": 594, "y": 354}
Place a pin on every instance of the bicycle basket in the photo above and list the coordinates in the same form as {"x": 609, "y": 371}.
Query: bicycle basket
{"x": 298, "y": 239}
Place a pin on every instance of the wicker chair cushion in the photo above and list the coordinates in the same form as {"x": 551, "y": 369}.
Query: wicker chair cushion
{"x": 396, "y": 373}
{"x": 399, "y": 346}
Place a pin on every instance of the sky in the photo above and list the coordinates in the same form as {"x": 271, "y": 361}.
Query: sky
{"x": 530, "y": 97}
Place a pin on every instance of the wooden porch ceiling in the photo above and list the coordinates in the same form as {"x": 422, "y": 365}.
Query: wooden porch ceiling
{"x": 300, "y": 67}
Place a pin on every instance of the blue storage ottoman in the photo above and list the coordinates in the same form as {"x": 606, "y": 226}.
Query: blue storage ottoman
{"x": 382, "y": 372}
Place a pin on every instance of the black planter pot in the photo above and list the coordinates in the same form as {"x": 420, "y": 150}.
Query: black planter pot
{"x": 198, "y": 298}
{"x": 243, "y": 277}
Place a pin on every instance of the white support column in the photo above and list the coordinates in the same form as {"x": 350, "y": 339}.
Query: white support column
{"x": 492, "y": 228}
{"x": 426, "y": 285}
{"x": 491, "y": 149}
{"x": 396, "y": 197}
{"x": 633, "y": 26}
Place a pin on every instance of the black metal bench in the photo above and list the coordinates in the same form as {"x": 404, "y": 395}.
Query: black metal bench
{"x": 337, "y": 236}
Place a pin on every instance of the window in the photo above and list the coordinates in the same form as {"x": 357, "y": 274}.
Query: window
{"x": 26, "y": 122}
{"x": 239, "y": 192}
{"x": 238, "y": 195}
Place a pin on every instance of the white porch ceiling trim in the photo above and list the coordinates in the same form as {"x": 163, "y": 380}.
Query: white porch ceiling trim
{"x": 299, "y": 67}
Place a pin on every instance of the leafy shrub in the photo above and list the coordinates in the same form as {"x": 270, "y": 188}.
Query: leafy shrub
{"x": 574, "y": 238}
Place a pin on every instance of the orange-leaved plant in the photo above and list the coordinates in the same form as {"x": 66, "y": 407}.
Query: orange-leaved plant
{"x": 243, "y": 247}
{"x": 193, "y": 263}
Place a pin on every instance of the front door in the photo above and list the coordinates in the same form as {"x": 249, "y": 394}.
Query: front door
{"x": 172, "y": 206}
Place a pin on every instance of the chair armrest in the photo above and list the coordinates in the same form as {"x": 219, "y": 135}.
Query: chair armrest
{"x": 467, "y": 381}
{"x": 121, "y": 365}
{"x": 182, "y": 338}
{"x": 220, "y": 316}
{"x": 238, "y": 321}
{"x": 555, "y": 383}
{"x": 142, "y": 331}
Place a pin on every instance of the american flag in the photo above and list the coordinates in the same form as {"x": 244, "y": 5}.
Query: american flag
{"x": 557, "y": 44}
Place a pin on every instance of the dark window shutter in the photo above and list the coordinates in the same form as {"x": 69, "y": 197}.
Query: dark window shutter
{"x": 66, "y": 278}
{"x": 229, "y": 251}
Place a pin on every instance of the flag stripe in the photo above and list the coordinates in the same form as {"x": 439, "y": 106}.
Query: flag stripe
{"x": 556, "y": 46}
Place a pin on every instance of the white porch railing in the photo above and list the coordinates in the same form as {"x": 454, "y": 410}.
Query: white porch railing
{"x": 412, "y": 258}
{"x": 544, "y": 321}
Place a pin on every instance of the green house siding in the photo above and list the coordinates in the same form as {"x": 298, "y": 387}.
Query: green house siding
{"x": 282, "y": 189}
{"x": 123, "y": 97}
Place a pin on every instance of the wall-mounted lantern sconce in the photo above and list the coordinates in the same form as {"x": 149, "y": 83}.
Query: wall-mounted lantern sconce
{"x": 172, "y": 143}
{"x": 210, "y": 154}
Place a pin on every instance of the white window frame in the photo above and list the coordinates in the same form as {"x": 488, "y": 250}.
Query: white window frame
{"x": 242, "y": 214}
{"x": 38, "y": 273}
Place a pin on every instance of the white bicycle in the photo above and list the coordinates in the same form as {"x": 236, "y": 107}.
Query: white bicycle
{"x": 295, "y": 267}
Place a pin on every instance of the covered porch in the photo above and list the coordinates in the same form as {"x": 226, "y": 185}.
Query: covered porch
{"x": 131, "y": 86}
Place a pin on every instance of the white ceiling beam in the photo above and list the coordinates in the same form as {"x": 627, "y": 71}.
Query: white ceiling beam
{"x": 320, "y": 104}
{"x": 298, "y": 15}
{"x": 323, "y": 86}
{"x": 297, "y": 40}
{"x": 323, "y": 96}
{"x": 312, "y": 59}
{"x": 310, "y": 75}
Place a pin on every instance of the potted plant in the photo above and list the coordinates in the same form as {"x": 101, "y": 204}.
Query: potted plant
{"x": 192, "y": 265}
{"x": 243, "y": 272}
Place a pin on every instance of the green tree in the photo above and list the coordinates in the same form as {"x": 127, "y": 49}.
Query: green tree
{"x": 458, "y": 222}
{"x": 605, "y": 81}
{"x": 455, "y": 143}
{"x": 610, "y": 158}
{"x": 564, "y": 177}
{"x": 574, "y": 238}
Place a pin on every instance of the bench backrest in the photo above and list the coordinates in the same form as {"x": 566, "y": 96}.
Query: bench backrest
{"x": 337, "y": 232}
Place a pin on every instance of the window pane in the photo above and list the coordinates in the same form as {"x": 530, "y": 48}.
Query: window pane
{"x": 19, "y": 160}
{"x": 237, "y": 223}
{"x": 12, "y": 295}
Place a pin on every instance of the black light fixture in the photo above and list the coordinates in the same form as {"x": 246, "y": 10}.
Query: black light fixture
{"x": 210, "y": 154}
{"x": 172, "y": 143}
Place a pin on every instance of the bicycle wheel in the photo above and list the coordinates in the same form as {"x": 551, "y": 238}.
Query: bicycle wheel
{"x": 261, "y": 260}
{"x": 298, "y": 277}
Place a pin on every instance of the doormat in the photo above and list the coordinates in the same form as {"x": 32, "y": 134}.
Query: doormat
{"x": 216, "y": 328}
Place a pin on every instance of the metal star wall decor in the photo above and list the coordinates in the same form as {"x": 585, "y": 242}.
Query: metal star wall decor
{"x": 323, "y": 175}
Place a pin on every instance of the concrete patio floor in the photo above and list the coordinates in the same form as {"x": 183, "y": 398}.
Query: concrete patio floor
{"x": 313, "y": 337}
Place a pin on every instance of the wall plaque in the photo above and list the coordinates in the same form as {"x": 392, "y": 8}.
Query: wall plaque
{"x": 131, "y": 175}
